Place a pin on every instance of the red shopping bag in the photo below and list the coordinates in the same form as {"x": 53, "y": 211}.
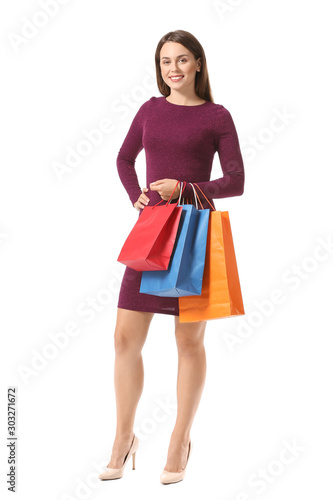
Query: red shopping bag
{"x": 150, "y": 243}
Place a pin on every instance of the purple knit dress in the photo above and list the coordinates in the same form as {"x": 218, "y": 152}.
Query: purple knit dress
{"x": 180, "y": 143}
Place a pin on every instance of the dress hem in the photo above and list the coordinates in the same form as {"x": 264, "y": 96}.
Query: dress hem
{"x": 169, "y": 313}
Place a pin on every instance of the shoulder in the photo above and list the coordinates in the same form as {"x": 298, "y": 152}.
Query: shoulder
{"x": 223, "y": 118}
{"x": 219, "y": 110}
{"x": 156, "y": 102}
{"x": 152, "y": 101}
{"x": 142, "y": 112}
{"x": 146, "y": 107}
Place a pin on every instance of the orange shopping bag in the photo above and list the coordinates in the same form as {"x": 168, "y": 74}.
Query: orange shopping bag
{"x": 221, "y": 294}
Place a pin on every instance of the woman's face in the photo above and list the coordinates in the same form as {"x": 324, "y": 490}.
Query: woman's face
{"x": 177, "y": 61}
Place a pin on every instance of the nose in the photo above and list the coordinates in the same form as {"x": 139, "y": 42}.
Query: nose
{"x": 173, "y": 68}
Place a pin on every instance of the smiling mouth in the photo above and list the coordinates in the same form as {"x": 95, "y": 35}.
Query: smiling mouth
{"x": 176, "y": 78}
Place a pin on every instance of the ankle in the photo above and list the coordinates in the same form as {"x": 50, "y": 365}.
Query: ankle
{"x": 181, "y": 437}
{"x": 124, "y": 435}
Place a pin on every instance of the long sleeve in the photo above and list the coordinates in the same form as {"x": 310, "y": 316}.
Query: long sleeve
{"x": 227, "y": 146}
{"x": 128, "y": 152}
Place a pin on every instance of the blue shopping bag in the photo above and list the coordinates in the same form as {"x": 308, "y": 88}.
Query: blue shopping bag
{"x": 185, "y": 272}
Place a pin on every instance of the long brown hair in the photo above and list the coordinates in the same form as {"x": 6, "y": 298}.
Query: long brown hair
{"x": 202, "y": 85}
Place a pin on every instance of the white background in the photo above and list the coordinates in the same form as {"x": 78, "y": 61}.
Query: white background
{"x": 60, "y": 238}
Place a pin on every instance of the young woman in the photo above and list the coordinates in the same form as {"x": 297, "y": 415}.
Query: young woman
{"x": 180, "y": 131}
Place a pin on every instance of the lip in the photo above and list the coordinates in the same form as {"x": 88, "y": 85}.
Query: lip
{"x": 176, "y": 76}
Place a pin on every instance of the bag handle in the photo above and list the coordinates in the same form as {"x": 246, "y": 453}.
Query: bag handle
{"x": 181, "y": 190}
{"x": 205, "y": 197}
{"x": 180, "y": 193}
{"x": 196, "y": 197}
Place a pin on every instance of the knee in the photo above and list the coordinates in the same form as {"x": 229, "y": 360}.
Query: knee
{"x": 188, "y": 346}
{"x": 125, "y": 342}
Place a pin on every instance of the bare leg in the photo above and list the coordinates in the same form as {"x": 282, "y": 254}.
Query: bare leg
{"x": 190, "y": 384}
{"x": 130, "y": 335}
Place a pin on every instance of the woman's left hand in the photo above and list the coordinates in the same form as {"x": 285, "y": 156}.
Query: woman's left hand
{"x": 165, "y": 187}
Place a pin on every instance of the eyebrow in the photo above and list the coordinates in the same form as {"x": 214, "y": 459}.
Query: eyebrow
{"x": 180, "y": 55}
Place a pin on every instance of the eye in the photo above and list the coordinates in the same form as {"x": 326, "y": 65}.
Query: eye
{"x": 165, "y": 62}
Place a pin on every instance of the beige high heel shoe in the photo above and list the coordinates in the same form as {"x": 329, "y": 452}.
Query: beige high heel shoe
{"x": 118, "y": 473}
{"x": 174, "y": 477}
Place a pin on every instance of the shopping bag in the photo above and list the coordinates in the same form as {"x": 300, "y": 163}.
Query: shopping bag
{"x": 185, "y": 272}
{"x": 150, "y": 243}
{"x": 221, "y": 294}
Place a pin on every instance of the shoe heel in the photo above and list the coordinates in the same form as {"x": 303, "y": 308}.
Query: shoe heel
{"x": 133, "y": 460}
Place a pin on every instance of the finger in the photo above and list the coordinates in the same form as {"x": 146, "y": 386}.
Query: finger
{"x": 143, "y": 199}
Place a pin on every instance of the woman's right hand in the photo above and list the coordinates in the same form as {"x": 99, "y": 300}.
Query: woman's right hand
{"x": 143, "y": 200}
